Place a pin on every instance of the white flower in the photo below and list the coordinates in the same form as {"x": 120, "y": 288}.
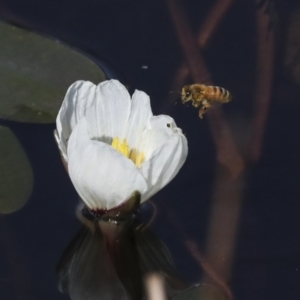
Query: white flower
{"x": 114, "y": 146}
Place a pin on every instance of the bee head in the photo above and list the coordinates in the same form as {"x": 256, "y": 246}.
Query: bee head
{"x": 186, "y": 94}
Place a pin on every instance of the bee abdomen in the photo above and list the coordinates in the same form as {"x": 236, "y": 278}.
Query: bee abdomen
{"x": 218, "y": 94}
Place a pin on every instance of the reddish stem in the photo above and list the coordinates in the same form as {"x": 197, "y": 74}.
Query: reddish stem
{"x": 227, "y": 152}
{"x": 265, "y": 60}
{"x": 212, "y": 21}
{"x": 208, "y": 268}
{"x": 210, "y": 24}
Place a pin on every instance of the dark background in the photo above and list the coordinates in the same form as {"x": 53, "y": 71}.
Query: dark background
{"x": 129, "y": 34}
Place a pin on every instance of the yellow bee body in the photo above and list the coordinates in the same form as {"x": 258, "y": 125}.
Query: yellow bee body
{"x": 203, "y": 95}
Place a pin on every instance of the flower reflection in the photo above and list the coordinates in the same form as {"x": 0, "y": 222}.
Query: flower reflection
{"x": 110, "y": 258}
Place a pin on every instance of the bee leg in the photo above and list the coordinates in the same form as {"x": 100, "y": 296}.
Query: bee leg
{"x": 201, "y": 112}
{"x": 195, "y": 103}
{"x": 205, "y": 106}
{"x": 208, "y": 105}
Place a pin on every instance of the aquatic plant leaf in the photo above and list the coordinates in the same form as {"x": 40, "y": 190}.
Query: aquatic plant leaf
{"x": 200, "y": 292}
{"x": 16, "y": 176}
{"x": 35, "y": 74}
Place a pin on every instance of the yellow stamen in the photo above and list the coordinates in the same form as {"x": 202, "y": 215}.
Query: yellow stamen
{"x": 122, "y": 146}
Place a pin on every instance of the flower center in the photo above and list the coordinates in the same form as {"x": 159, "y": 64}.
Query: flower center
{"x": 133, "y": 154}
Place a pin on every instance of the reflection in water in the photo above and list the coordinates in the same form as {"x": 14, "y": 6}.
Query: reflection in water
{"x": 115, "y": 256}
{"x": 109, "y": 258}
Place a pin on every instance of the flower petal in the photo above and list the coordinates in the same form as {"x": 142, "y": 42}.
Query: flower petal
{"x": 164, "y": 164}
{"x": 159, "y": 129}
{"x": 165, "y": 150}
{"x": 103, "y": 177}
{"x": 109, "y": 115}
{"x": 78, "y": 98}
{"x": 139, "y": 117}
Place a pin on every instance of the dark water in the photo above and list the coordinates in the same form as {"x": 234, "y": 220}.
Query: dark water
{"x": 128, "y": 35}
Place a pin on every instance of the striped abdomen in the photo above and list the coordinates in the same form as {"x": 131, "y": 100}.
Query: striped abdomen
{"x": 216, "y": 93}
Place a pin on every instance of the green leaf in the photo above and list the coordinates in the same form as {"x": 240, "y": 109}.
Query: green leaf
{"x": 200, "y": 292}
{"x": 35, "y": 74}
{"x": 16, "y": 177}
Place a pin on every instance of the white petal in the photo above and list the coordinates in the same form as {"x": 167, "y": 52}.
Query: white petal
{"x": 159, "y": 130}
{"x": 78, "y": 98}
{"x": 109, "y": 115}
{"x": 164, "y": 164}
{"x": 139, "y": 117}
{"x": 103, "y": 177}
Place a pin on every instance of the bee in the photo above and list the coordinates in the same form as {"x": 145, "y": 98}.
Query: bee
{"x": 203, "y": 95}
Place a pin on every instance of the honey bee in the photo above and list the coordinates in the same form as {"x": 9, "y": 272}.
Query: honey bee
{"x": 203, "y": 95}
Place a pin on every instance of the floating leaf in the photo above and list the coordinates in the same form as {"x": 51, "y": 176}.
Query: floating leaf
{"x": 35, "y": 74}
{"x": 16, "y": 177}
{"x": 200, "y": 292}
